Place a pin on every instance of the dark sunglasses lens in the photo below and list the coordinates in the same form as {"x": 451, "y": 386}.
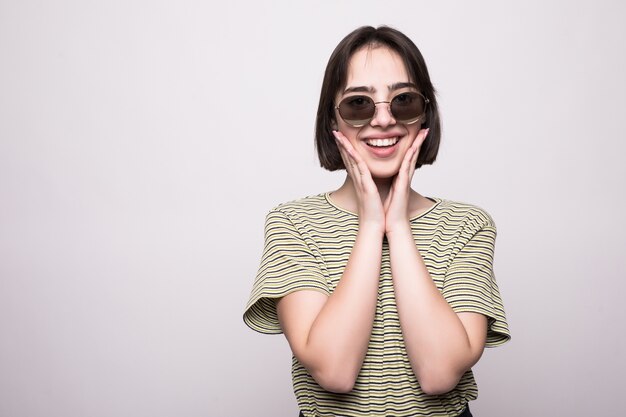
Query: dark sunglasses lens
{"x": 408, "y": 107}
{"x": 357, "y": 110}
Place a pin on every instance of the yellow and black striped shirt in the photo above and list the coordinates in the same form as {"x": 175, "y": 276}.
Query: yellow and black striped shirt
{"x": 307, "y": 245}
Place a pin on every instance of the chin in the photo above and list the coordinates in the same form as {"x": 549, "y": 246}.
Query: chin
{"x": 383, "y": 174}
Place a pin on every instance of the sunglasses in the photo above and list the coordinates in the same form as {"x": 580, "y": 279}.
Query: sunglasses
{"x": 407, "y": 108}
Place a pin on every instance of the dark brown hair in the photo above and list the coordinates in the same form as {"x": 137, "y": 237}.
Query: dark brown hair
{"x": 335, "y": 79}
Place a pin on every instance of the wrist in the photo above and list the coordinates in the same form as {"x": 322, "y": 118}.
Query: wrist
{"x": 372, "y": 229}
{"x": 400, "y": 227}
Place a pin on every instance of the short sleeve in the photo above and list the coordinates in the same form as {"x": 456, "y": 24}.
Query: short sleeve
{"x": 470, "y": 284}
{"x": 288, "y": 264}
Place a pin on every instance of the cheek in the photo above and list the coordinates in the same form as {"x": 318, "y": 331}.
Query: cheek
{"x": 414, "y": 131}
{"x": 349, "y": 132}
{"x": 357, "y": 145}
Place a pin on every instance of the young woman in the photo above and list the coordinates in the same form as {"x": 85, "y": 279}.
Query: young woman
{"x": 386, "y": 297}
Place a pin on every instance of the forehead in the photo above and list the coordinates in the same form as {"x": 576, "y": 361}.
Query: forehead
{"x": 377, "y": 67}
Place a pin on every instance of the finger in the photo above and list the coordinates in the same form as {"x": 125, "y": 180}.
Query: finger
{"x": 347, "y": 160}
{"x": 421, "y": 137}
{"x": 347, "y": 154}
{"x": 405, "y": 166}
{"x": 345, "y": 143}
{"x": 365, "y": 176}
{"x": 414, "y": 151}
{"x": 412, "y": 166}
{"x": 417, "y": 144}
{"x": 360, "y": 167}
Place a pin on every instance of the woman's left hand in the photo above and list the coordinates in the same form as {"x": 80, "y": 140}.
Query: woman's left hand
{"x": 396, "y": 204}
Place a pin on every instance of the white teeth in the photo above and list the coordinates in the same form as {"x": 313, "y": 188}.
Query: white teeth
{"x": 382, "y": 142}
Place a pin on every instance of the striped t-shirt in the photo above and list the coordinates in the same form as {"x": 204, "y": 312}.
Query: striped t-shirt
{"x": 307, "y": 245}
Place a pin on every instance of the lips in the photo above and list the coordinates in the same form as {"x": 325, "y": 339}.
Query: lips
{"x": 382, "y": 147}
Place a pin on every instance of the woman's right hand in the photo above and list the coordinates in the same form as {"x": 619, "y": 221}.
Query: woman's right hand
{"x": 370, "y": 206}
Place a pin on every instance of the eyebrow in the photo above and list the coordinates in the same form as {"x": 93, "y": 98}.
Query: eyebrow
{"x": 370, "y": 89}
{"x": 398, "y": 86}
{"x": 359, "y": 89}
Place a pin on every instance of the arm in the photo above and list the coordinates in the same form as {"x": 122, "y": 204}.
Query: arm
{"x": 441, "y": 345}
{"x": 330, "y": 335}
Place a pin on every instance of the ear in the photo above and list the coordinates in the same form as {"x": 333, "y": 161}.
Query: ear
{"x": 334, "y": 125}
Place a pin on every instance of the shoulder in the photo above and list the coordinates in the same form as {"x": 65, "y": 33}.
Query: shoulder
{"x": 302, "y": 204}
{"x": 301, "y": 212}
{"x": 306, "y": 208}
{"x": 463, "y": 214}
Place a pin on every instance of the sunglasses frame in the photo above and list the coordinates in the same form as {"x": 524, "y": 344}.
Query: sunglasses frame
{"x": 408, "y": 122}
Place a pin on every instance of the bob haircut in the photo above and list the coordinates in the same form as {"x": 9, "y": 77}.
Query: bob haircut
{"x": 335, "y": 80}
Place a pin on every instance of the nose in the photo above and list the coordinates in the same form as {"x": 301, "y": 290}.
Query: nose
{"x": 382, "y": 115}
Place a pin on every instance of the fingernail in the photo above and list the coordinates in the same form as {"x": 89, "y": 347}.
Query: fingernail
{"x": 427, "y": 130}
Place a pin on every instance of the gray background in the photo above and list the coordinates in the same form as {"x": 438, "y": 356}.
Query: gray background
{"x": 143, "y": 142}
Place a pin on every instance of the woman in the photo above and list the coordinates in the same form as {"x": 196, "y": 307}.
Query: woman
{"x": 386, "y": 297}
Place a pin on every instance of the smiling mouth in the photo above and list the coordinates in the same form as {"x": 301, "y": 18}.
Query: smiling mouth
{"x": 382, "y": 143}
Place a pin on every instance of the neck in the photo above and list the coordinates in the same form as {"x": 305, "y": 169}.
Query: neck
{"x": 383, "y": 185}
{"x": 346, "y": 197}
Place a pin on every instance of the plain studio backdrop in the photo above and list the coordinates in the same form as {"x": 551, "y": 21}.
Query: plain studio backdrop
{"x": 143, "y": 142}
